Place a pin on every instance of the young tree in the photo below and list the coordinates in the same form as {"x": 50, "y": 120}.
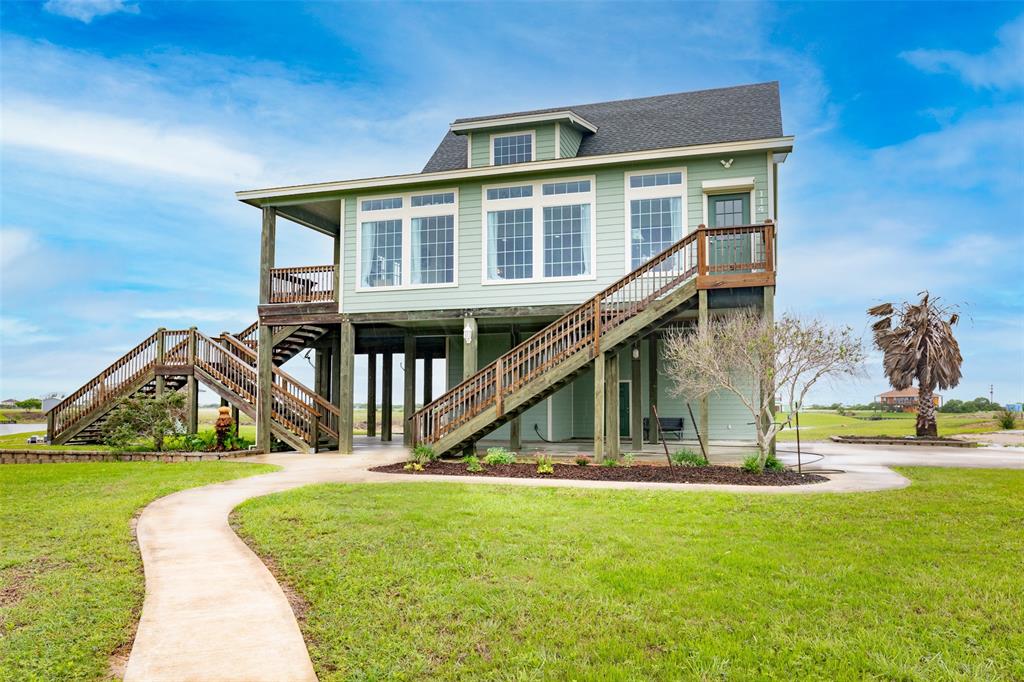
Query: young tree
{"x": 755, "y": 359}
{"x": 142, "y": 416}
{"x": 921, "y": 347}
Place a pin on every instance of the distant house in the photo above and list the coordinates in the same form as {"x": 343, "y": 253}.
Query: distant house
{"x": 1015, "y": 407}
{"x": 10, "y": 402}
{"x": 905, "y": 400}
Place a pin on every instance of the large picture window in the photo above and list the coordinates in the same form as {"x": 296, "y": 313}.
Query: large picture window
{"x": 655, "y": 203}
{"x": 539, "y": 231}
{"x": 407, "y": 240}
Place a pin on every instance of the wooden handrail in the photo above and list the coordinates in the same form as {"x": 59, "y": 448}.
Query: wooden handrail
{"x": 303, "y": 284}
{"x": 581, "y": 328}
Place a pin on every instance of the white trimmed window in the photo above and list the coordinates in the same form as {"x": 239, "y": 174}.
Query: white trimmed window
{"x": 407, "y": 240}
{"x": 539, "y": 231}
{"x": 512, "y": 148}
{"x": 656, "y": 210}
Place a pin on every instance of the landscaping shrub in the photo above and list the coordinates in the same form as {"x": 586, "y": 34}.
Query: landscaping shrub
{"x": 582, "y": 460}
{"x": 413, "y": 466}
{"x": 545, "y": 465}
{"x": 687, "y": 458}
{"x": 772, "y": 463}
{"x": 499, "y": 456}
{"x": 610, "y": 462}
{"x": 140, "y": 417}
{"x": 753, "y": 464}
{"x": 424, "y": 454}
{"x": 473, "y": 464}
{"x": 628, "y": 459}
{"x": 1006, "y": 418}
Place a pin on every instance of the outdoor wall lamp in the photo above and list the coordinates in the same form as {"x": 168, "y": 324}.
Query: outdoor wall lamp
{"x": 636, "y": 353}
{"x": 467, "y": 332}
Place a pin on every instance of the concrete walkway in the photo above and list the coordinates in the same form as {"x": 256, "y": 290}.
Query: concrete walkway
{"x": 213, "y": 612}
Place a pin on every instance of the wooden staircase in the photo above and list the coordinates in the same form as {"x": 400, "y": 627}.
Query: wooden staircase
{"x": 300, "y": 418}
{"x": 625, "y": 311}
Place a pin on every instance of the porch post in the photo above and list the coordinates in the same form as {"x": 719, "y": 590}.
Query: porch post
{"x": 371, "y": 394}
{"x": 268, "y": 239}
{"x": 320, "y": 357}
{"x": 769, "y": 313}
{"x": 409, "y": 386}
{"x": 334, "y": 368}
{"x": 705, "y": 402}
{"x": 160, "y": 353}
{"x": 652, "y": 387}
{"x": 386, "y": 431}
{"x": 191, "y": 387}
{"x": 611, "y": 411}
{"x": 346, "y": 354}
{"x": 636, "y": 421}
{"x": 600, "y": 366}
{"x": 234, "y": 420}
{"x": 428, "y": 378}
{"x": 515, "y": 427}
{"x": 470, "y": 346}
{"x": 264, "y": 385}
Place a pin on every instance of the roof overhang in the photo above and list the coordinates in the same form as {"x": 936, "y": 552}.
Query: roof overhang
{"x": 566, "y": 116}
{"x": 295, "y": 194}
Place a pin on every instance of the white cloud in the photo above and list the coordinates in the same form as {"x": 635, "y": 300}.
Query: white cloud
{"x": 16, "y": 331}
{"x": 188, "y": 153}
{"x": 194, "y": 315}
{"x": 87, "y": 10}
{"x": 1002, "y": 67}
{"x": 15, "y": 245}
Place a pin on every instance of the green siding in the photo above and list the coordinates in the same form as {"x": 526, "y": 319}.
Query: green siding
{"x": 545, "y": 142}
{"x": 570, "y": 139}
{"x": 610, "y": 256}
{"x": 481, "y": 155}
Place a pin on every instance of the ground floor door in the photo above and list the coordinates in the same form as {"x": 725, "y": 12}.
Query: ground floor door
{"x": 625, "y": 398}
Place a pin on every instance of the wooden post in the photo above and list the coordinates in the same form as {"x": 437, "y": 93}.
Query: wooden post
{"x": 409, "y": 386}
{"x": 192, "y": 388}
{"x": 652, "y": 388}
{"x": 264, "y": 386}
{"x": 705, "y": 402}
{"x": 337, "y": 261}
{"x": 515, "y": 427}
{"x": 346, "y": 353}
{"x": 470, "y": 347}
{"x": 334, "y": 367}
{"x": 611, "y": 410}
{"x": 371, "y": 394}
{"x": 50, "y": 419}
{"x": 234, "y": 420}
{"x": 636, "y": 421}
{"x": 600, "y": 366}
{"x": 267, "y": 243}
{"x": 161, "y": 353}
{"x": 386, "y": 431}
{"x": 769, "y": 313}
{"x": 702, "y": 251}
{"x": 428, "y": 379}
{"x": 319, "y": 358}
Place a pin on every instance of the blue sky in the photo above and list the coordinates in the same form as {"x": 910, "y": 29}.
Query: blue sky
{"x": 127, "y": 126}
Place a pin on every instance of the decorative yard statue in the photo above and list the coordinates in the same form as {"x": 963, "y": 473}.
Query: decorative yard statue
{"x": 223, "y": 426}
{"x": 920, "y": 348}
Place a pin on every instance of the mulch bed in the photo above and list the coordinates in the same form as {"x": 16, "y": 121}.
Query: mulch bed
{"x": 638, "y": 472}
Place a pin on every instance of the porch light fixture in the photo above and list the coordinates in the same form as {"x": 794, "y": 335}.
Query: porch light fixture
{"x": 636, "y": 353}
{"x": 467, "y": 332}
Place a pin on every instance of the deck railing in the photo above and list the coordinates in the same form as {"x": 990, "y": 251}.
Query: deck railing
{"x": 729, "y": 251}
{"x": 306, "y": 284}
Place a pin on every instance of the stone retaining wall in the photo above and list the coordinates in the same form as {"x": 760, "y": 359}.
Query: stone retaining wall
{"x": 52, "y": 456}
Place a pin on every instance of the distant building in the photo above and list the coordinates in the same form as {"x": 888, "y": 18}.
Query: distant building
{"x": 48, "y": 403}
{"x": 1015, "y": 407}
{"x": 10, "y": 402}
{"x": 905, "y": 400}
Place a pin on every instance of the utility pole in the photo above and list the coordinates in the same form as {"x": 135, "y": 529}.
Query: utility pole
{"x": 991, "y": 393}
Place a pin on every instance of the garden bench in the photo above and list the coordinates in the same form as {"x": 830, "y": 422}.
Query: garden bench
{"x": 672, "y": 425}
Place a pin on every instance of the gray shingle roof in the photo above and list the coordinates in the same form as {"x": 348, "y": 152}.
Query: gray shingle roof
{"x": 744, "y": 112}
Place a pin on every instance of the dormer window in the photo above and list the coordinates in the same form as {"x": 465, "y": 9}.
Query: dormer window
{"x": 513, "y": 148}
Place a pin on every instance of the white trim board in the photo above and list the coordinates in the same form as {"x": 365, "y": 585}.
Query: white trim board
{"x": 524, "y": 119}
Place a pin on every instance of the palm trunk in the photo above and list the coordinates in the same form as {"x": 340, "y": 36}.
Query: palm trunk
{"x": 926, "y": 426}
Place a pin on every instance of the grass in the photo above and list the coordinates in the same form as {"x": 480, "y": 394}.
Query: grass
{"x": 449, "y": 581}
{"x": 822, "y": 425}
{"x": 71, "y": 582}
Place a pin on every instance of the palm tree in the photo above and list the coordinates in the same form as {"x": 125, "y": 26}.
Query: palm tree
{"x": 921, "y": 347}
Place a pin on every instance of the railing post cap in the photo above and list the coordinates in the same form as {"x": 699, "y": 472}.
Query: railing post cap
{"x": 768, "y": 221}
{"x": 702, "y": 226}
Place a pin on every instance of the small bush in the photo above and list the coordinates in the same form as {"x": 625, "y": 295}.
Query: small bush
{"x": 610, "y": 462}
{"x": 753, "y": 465}
{"x": 413, "y": 466}
{"x": 628, "y": 459}
{"x": 772, "y": 463}
{"x": 687, "y": 458}
{"x": 499, "y": 456}
{"x": 473, "y": 464}
{"x": 424, "y": 454}
{"x": 1006, "y": 418}
{"x": 545, "y": 465}
{"x": 582, "y": 460}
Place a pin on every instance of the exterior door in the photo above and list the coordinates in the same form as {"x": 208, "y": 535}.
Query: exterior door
{"x": 625, "y": 394}
{"x": 729, "y": 210}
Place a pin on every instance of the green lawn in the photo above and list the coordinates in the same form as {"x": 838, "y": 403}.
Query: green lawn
{"x": 451, "y": 581}
{"x": 822, "y": 425}
{"x": 71, "y": 582}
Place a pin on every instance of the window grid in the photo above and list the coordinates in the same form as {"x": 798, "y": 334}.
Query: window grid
{"x": 383, "y": 268}
{"x": 433, "y": 199}
{"x": 566, "y": 240}
{"x": 656, "y": 179}
{"x": 513, "y": 149}
{"x": 382, "y": 204}
{"x": 654, "y": 224}
{"x": 552, "y": 188}
{"x": 728, "y": 212}
{"x": 433, "y": 257}
{"x": 513, "y": 243}
{"x": 517, "y": 192}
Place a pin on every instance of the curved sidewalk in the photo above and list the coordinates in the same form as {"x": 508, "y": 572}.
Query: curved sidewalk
{"x": 213, "y": 611}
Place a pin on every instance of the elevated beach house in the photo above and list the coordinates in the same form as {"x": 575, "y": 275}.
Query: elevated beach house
{"x": 542, "y": 254}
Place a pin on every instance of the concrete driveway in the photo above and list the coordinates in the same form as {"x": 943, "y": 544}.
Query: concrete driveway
{"x": 847, "y": 456}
